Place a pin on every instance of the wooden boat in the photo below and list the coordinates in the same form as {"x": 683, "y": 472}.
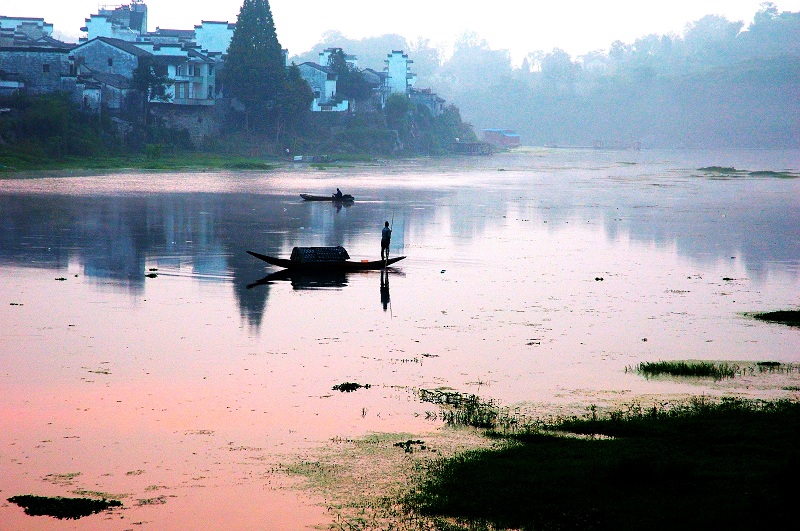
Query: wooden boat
{"x": 324, "y": 259}
{"x": 346, "y": 198}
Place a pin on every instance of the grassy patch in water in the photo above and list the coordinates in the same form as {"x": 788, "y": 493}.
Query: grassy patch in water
{"x": 720, "y": 169}
{"x": 777, "y": 174}
{"x": 349, "y": 387}
{"x": 62, "y": 508}
{"x": 457, "y": 409}
{"x": 701, "y": 369}
{"x": 787, "y": 317}
{"x": 726, "y": 465}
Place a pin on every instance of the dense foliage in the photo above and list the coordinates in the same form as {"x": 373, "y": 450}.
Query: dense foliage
{"x": 50, "y": 127}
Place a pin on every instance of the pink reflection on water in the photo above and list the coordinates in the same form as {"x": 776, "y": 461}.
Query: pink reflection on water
{"x": 168, "y": 394}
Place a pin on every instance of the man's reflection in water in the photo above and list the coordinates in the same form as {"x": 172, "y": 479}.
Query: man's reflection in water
{"x": 385, "y": 288}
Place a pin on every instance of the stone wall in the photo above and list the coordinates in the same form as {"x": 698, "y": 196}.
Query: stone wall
{"x": 40, "y": 69}
{"x": 96, "y": 55}
{"x": 202, "y": 122}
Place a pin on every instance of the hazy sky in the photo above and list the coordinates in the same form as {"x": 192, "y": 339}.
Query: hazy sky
{"x": 521, "y": 26}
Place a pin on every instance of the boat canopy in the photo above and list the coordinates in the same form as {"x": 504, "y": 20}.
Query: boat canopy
{"x": 305, "y": 255}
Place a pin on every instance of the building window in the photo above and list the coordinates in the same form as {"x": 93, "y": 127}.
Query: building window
{"x": 45, "y": 68}
{"x": 110, "y": 61}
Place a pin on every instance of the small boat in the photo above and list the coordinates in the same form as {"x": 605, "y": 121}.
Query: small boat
{"x": 346, "y": 198}
{"x": 324, "y": 259}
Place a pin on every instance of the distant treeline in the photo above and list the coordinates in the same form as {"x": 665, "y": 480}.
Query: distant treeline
{"x": 719, "y": 84}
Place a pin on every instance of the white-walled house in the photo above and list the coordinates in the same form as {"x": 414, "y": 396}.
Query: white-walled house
{"x": 12, "y": 23}
{"x": 125, "y": 22}
{"x": 322, "y": 81}
{"x": 399, "y": 78}
{"x": 104, "y": 59}
{"x": 214, "y": 37}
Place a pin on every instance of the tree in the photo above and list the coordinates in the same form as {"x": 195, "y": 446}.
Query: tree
{"x": 150, "y": 80}
{"x": 254, "y": 71}
{"x": 350, "y": 82}
{"x": 296, "y": 101}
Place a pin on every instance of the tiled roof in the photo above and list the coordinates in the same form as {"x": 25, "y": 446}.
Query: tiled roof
{"x": 125, "y": 46}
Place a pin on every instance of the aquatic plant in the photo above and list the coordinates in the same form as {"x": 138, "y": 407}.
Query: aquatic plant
{"x": 62, "y": 508}
{"x": 787, "y": 317}
{"x": 349, "y": 387}
{"x": 720, "y": 169}
{"x": 462, "y": 409}
{"x": 702, "y": 369}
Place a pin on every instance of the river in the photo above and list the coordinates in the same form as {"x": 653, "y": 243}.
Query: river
{"x": 143, "y": 356}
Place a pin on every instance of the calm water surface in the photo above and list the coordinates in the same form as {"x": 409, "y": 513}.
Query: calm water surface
{"x": 533, "y": 278}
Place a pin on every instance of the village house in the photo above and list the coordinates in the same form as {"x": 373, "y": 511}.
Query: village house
{"x": 427, "y": 99}
{"x": 322, "y": 81}
{"x": 126, "y": 22}
{"x": 396, "y": 78}
{"x": 99, "y": 70}
{"x": 31, "y": 60}
{"x": 399, "y": 78}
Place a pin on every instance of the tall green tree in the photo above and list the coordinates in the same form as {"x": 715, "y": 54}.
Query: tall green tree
{"x": 254, "y": 71}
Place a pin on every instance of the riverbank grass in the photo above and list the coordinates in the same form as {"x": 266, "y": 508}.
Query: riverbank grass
{"x": 731, "y": 464}
{"x": 172, "y": 161}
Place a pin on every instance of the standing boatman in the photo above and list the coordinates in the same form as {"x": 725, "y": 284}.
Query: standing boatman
{"x": 386, "y": 237}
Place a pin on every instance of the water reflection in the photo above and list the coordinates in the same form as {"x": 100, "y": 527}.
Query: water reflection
{"x": 305, "y": 279}
{"x": 115, "y": 239}
{"x": 385, "y": 300}
{"x": 498, "y": 297}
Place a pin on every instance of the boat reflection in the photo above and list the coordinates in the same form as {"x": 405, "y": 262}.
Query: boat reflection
{"x": 305, "y": 279}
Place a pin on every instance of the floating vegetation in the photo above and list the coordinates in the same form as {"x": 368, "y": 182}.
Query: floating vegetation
{"x": 159, "y": 500}
{"x": 702, "y": 369}
{"x": 778, "y": 174}
{"x": 62, "y": 508}
{"x": 462, "y": 409}
{"x": 731, "y": 171}
{"x": 349, "y": 387}
{"x": 721, "y": 169}
{"x": 787, "y": 317}
{"x": 717, "y": 370}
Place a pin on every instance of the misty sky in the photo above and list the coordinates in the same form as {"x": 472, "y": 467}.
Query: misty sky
{"x": 521, "y": 26}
